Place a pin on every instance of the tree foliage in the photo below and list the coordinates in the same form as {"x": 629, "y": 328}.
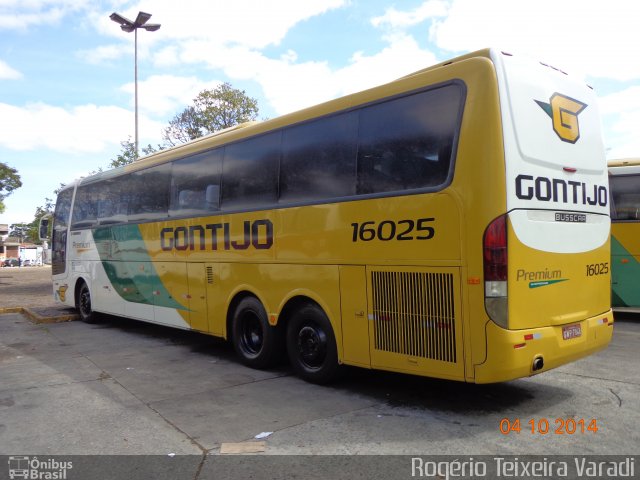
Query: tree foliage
{"x": 129, "y": 155}
{"x": 212, "y": 110}
{"x": 30, "y": 232}
{"x": 126, "y": 156}
{"x": 9, "y": 181}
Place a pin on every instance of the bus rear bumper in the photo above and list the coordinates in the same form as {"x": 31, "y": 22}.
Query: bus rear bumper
{"x": 514, "y": 354}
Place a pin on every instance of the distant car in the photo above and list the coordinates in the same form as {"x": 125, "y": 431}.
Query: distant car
{"x": 28, "y": 263}
{"x": 11, "y": 262}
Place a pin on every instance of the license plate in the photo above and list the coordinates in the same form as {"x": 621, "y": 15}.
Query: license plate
{"x": 571, "y": 331}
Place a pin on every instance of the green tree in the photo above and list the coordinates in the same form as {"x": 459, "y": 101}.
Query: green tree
{"x": 126, "y": 156}
{"x": 129, "y": 155}
{"x": 212, "y": 110}
{"x": 30, "y": 231}
{"x": 20, "y": 230}
{"x": 34, "y": 227}
{"x": 9, "y": 181}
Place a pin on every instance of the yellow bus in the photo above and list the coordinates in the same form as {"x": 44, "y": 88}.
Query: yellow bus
{"x": 624, "y": 178}
{"x": 453, "y": 223}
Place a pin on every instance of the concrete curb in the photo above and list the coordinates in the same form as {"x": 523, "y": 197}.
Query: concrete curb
{"x": 37, "y": 318}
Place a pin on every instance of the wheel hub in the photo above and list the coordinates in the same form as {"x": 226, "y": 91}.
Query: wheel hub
{"x": 312, "y": 344}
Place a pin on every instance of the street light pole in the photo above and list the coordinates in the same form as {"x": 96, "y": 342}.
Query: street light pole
{"x": 129, "y": 26}
{"x": 135, "y": 84}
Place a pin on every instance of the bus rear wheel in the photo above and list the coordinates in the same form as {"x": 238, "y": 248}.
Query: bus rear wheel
{"x": 254, "y": 340}
{"x": 87, "y": 315}
{"x": 311, "y": 345}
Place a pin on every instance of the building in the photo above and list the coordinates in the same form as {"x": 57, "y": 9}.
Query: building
{"x": 9, "y": 246}
{"x": 13, "y": 247}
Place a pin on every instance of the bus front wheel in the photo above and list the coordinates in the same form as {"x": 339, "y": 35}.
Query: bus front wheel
{"x": 254, "y": 340}
{"x": 311, "y": 345}
{"x": 84, "y": 305}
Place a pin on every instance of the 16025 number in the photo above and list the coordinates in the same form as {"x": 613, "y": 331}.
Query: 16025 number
{"x": 387, "y": 230}
{"x": 597, "y": 269}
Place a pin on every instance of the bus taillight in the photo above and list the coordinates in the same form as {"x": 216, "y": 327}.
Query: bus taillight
{"x": 495, "y": 270}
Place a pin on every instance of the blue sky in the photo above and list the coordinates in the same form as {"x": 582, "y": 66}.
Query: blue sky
{"x": 66, "y": 70}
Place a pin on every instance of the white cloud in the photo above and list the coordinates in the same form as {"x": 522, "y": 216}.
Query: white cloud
{"x": 290, "y": 86}
{"x": 402, "y": 56}
{"x": 8, "y": 73}
{"x": 164, "y": 95}
{"x": 399, "y": 19}
{"x": 166, "y": 57}
{"x": 85, "y": 128}
{"x": 100, "y": 54}
{"x": 599, "y": 39}
{"x": 252, "y": 23}
{"x": 22, "y": 14}
{"x": 621, "y": 110}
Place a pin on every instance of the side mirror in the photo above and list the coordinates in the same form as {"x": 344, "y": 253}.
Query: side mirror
{"x": 43, "y": 229}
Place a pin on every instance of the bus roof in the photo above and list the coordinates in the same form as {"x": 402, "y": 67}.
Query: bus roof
{"x": 624, "y": 162}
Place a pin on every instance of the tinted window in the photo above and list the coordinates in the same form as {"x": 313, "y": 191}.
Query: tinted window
{"x": 250, "y": 172}
{"x": 195, "y": 184}
{"x": 149, "y": 193}
{"x": 406, "y": 143}
{"x": 113, "y": 201}
{"x": 85, "y": 207}
{"x": 63, "y": 208}
{"x": 625, "y": 197}
{"x": 319, "y": 159}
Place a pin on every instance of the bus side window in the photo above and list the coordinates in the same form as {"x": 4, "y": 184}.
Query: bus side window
{"x": 406, "y": 143}
{"x": 250, "y": 172}
{"x": 149, "y": 193}
{"x": 112, "y": 205}
{"x": 195, "y": 184}
{"x": 319, "y": 159}
{"x": 85, "y": 210}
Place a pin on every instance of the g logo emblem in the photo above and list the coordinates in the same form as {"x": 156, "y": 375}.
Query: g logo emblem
{"x": 564, "y": 112}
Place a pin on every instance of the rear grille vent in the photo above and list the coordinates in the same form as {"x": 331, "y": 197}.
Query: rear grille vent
{"x": 209, "y": 275}
{"x": 413, "y": 314}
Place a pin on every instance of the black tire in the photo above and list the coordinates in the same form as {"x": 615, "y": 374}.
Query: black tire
{"x": 87, "y": 314}
{"x": 254, "y": 340}
{"x": 311, "y": 345}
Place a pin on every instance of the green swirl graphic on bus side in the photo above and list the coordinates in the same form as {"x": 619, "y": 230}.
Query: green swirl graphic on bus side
{"x": 129, "y": 267}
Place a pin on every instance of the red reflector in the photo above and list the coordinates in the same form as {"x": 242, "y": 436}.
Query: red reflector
{"x": 529, "y": 336}
{"x": 519, "y": 345}
{"x": 570, "y": 169}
